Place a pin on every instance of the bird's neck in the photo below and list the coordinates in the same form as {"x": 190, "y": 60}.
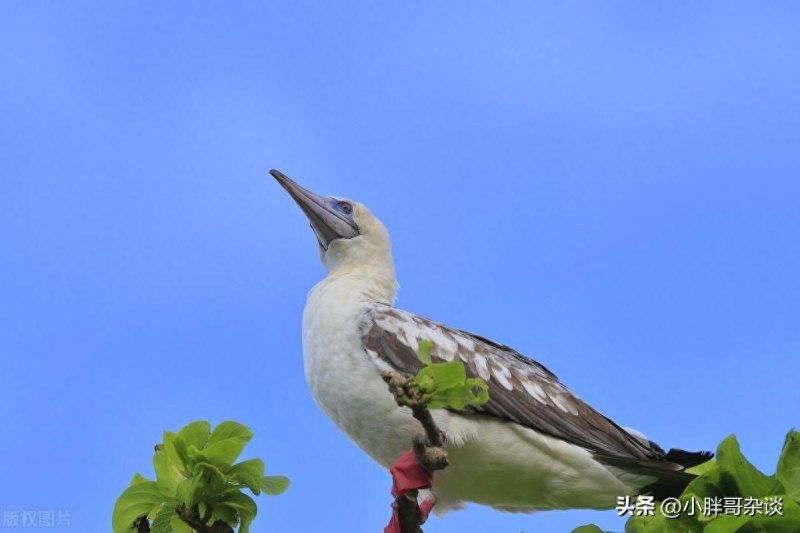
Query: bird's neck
{"x": 373, "y": 282}
{"x": 359, "y": 270}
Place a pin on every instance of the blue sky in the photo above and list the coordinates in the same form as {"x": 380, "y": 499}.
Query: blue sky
{"x": 613, "y": 189}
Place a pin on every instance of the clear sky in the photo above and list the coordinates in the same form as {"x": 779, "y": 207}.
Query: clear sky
{"x": 612, "y": 189}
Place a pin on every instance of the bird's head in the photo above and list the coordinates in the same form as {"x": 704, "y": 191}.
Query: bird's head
{"x": 349, "y": 236}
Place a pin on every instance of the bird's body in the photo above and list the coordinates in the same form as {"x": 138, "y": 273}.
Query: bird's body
{"x": 535, "y": 445}
{"x": 492, "y": 462}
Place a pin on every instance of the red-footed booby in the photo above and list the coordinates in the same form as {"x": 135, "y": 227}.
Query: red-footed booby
{"x": 535, "y": 445}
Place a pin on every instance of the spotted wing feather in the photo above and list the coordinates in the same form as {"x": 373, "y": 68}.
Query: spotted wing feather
{"x": 520, "y": 389}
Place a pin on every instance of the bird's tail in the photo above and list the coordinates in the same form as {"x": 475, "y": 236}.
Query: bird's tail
{"x": 687, "y": 459}
{"x": 670, "y": 472}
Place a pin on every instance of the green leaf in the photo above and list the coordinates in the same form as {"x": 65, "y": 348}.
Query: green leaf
{"x": 138, "y": 478}
{"x": 168, "y": 447}
{"x": 205, "y": 485}
{"x": 167, "y": 474}
{"x": 244, "y": 506}
{"x": 182, "y": 452}
{"x": 230, "y": 430}
{"x": 196, "y": 433}
{"x": 474, "y": 391}
{"x": 190, "y": 490}
{"x": 706, "y": 485}
{"x": 589, "y": 528}
{"x": 179, "y": 526}
{"x": 274, "y": 485}
{"x": 788, "y": 471}
{"x": 211, "y": 475}
{"x": 787, "y": 522}
{"x": 137, "y": 500}
{"x": 747, "y": 478}
{"x": 458, "y": 397}
{"x": 646, "y": 524}
{"x": 726, "y": 524}
{"x": 441, "y": 376}
{"x": 225, "y": 514}
{"x": 248, "y": 473}
{"x": 424, "y": 352}
{"x": 224, "y": 452}
{"x": 194, "y": 454}
{"x": 732, "y": 476}
{"x": 226, "y": 443}
{"x": 446, "y": 385}
{"x": 194, "y": 467}
{"x": 479, "y": 390}
{"x": 162, "y": 522}
{"x": 702, "y": 468}
{"x": 658, "y": 523}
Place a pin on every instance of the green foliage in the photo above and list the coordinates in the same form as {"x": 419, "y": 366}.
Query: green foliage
{"x": 196, "y": 474}
{"x": 446, "y": 385}
{"x": 591, "y": 528}
{"x": 731, "y": 475}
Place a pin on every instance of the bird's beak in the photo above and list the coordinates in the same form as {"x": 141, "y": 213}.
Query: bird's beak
{"x": 327, "y": 223}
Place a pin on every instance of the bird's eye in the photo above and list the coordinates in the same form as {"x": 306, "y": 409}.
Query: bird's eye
{"x": 345, "y": 207}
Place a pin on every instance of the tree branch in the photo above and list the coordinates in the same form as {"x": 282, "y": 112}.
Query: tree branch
{"x": 142, "y": 525}
{"x": 191, "y": 516}
{"x": 428, "y": 447}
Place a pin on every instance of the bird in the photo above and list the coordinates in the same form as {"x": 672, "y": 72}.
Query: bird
{"x": 534, "y": 446}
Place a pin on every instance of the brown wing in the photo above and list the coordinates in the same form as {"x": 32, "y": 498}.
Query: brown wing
{"x": 520, "y": 390}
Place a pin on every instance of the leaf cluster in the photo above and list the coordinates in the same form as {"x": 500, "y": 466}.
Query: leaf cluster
{"x": 197, "y": 483}
{"x": 446, "y": 385}
{"x": 731, "y": 475}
